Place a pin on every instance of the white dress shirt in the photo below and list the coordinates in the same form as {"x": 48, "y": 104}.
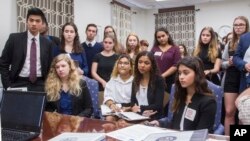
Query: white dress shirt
{"x": 92, "y": 43}
{"x": 141, "y": 96}
{"x": 25, "y": 72}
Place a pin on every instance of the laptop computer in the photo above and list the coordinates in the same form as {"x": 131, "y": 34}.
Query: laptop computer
{"x": 21, "y": 115}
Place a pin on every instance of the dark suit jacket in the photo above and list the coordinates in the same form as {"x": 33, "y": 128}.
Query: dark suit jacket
{"x": 205, "y": 107}
{"x": 81, "y": 105}
{"x": 238, "y": 61}
{"x": 155, "y": 97}
{"x": 54, "y": 39}
{"x": 14, "y": 54}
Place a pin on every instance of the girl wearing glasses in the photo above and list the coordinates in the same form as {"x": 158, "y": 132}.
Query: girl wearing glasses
{"x": 118, "y": 89}
{"x": 232, "y": 74}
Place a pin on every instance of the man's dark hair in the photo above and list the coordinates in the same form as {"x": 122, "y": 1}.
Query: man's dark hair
{"x": 93, "y": 25}
{"x": 35, "y": 11}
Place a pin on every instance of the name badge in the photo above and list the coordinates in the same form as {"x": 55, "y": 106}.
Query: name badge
{"x": 158, "y": 53}
{"x": 190, "y": 114}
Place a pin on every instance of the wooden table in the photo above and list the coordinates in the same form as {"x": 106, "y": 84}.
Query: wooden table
{"x": 54, "y": 124}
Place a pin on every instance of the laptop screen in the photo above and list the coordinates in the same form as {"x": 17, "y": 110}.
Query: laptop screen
{"x": 22, "y": 110}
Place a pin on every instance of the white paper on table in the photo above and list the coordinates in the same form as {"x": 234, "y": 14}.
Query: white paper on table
{"x": 67, "y": 136}
{"x": 136, "y": 132}
{"x": 175, "y": 136}
{"x": 131, "y": 116}
{"x": 194, "y": 135}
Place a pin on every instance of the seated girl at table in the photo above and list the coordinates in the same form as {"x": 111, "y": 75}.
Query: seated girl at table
{"x": 67, "y": 93}
{"x": 118, "y": 88}
{"x": 194, "y": 106}
{"x": 148, "y": 87}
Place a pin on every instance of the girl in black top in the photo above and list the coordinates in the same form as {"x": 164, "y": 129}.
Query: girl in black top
{"x": 232, "y": 74}
{"x": 194, "y": 106}
{"x": 148, "y": 86}
{"x": 210, "y": 55}
{"x": 104, "y": 62}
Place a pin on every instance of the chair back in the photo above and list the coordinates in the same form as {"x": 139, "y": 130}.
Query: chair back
{"x": 93, "y": 88}
{"x": 218, "y": 93}
{"x": 171, "y": 99}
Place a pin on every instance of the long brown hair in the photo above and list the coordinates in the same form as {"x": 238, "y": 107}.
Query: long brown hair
{"x": 77, "y": 48}
{"x": 153, "y": 72}
{"x": 212, "y": 47}
{"x": 128, "y": 48}
{"x": 200, "y": 82}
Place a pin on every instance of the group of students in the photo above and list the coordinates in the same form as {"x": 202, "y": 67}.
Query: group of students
{"x": 232, "y": 61}
{"x": 131, "y": 76}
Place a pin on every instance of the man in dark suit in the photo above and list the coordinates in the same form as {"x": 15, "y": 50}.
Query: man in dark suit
{"x": 241, "y": 60}
{"x": 26, "y": 57}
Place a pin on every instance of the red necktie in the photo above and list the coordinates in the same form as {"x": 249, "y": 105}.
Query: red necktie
{"x": 32, "y": 76}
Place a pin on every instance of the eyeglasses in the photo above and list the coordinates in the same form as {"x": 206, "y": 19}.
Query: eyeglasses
{"x": 239, "y": 25}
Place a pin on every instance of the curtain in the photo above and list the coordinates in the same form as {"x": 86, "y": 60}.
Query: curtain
{"x": 181, "y": 26}
{"x": 121, "y": 21}
{"x": 57, "y": 12}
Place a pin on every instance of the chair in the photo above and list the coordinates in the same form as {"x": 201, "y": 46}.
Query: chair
{"x": 165, "y": 103}
{"x": 93, "y": 88}
{"x": 218, "y": 92}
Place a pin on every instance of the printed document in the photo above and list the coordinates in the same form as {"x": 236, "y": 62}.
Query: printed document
{"x": 137, "y": 132}
{"x": 68, "y": 136}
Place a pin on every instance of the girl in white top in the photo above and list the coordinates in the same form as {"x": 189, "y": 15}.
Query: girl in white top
{"x": 118, "y": 89}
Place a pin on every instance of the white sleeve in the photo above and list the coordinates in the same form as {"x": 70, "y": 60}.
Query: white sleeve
{"x": 109, "y": 91}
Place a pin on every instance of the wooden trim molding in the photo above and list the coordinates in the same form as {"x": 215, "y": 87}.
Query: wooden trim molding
{"x": 120, "y": 4}
{"x": 176, "y": 9}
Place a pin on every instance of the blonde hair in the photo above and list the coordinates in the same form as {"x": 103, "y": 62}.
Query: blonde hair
{"x": 212, "y": 47}
{"x": 53, "y": 83}
{"x": 128, "y": 49}
{"x": 115, "y": 71}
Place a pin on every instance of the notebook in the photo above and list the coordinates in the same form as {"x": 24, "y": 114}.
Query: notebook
{"x": 21, "y": 115}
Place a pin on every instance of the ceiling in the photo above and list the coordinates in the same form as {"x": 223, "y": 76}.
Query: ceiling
{"x": 153, "y": 4}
